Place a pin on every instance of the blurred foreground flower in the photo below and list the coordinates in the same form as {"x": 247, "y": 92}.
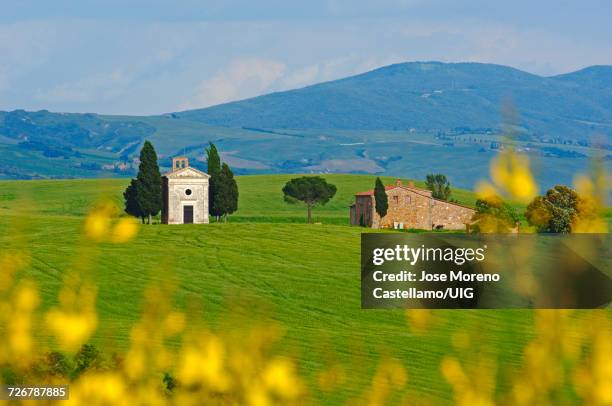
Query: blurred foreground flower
{"x": 99, "y": 224}
{"x": 390, "y": 376}
{"x": 564, "y": 342}
{"x": 124, "y": 230}
{"x": 593, "y": 192}
{"x": 419, "y": 320}
{"x": 21, "y": 323}
{"x": 100, "y": 389}
{"x": 493, "y": 215}
{"x": 472, "y": 389}
{"x": 203, "y": 363}
{"x": 75, "y": 320}
{"x": 332, "y": 378}
{"x": 593, "y": 379}
{"x": 281, "y": 379}
{"x": 10, "y": 263}
{"x": 511, "y": 178}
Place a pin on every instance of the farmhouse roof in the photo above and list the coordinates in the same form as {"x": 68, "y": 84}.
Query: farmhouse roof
{"x": 371, "y": 191}
{"x": 398, "y": 183}
{"x": 454, "y": 203}
{"x": 410, "y": 186}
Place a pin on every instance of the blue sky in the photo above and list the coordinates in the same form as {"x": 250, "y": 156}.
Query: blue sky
{"x": 149, "y": 57}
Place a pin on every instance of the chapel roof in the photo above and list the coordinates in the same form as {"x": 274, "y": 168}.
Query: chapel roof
{"x": 188, "y": 172}
{"x": 181, "y": 169}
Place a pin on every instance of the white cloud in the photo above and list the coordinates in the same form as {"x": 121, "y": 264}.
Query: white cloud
{"x": 316, "y": 73}
{"x": 144, "y": 67}
{"x": 332, "y": 69}
{"x": 24, "y": 46}
{"x": 360, "y": 7}
{"x": 4, "y": 78}
{"x": 243, "y": 78}
{"x": 302, "y": 76}
{"x": 249, "y": 77}
{"x": 105, "y": 86}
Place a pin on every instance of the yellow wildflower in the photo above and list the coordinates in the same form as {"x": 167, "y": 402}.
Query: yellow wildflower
{"x": 76, "y": 319}
{"x": 71, "y": 329}
{"x": 204, "y": 364}
{"x": 98, "y": 221}
{"x": 100, "y": 389}
{"x": 97, "y": 225}
{"x": 592, "y": 192}
{"x": 510, "y": 173}
{"x": 125, "y": 230}
{"x": 25, "y": 301}
{"x": 279, "y": 376}
{"x": 486, "y": 191}
{"x": 174, "y": 323}
{"x": 332, "y": 378}
{"x": 419, "y": 320}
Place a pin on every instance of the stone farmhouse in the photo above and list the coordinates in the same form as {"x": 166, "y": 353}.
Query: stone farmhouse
{"x": 410, "y": 207}
{"x": 184, "y": 194}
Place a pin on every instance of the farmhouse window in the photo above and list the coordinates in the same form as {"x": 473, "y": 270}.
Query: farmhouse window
{"x": 408, "y": 199}
{"x": 396, "y": 199}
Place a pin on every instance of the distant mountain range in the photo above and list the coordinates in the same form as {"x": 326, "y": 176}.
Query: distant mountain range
{"x": 433, "y": 96}
{"x": 371, "y": 123}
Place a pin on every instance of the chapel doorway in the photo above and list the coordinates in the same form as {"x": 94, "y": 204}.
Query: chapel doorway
{"x": 187, "y": 214}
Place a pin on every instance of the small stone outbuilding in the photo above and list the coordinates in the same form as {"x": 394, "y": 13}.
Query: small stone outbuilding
{"x": 410, "y": 207}
{"x": 185, "y": 194}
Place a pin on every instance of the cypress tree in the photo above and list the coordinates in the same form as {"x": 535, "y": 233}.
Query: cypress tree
{"x": 226, "y": 199}
{"x": 148, "y": 182}
{"x": 214, "y": 171}
{"x": 214, "y": 161}
{"x": 233, "y": 191}
{"x": 380, "y": 197}
{"x": 131, "y": 200}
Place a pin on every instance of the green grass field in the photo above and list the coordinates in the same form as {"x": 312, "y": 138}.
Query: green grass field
{"x": 261, "y": 197}
{"x": 263, "y": 264}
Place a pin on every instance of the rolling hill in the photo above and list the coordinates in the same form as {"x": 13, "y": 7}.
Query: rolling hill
{"x": 261, "y": 266}
{"x": 305, "y": 277}
{"x": 260, "y": 199}
{"x": 432, "y": 96}
{"x": 406, "y": 119}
